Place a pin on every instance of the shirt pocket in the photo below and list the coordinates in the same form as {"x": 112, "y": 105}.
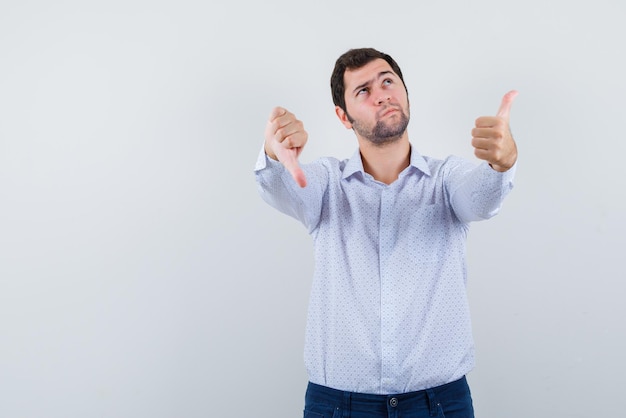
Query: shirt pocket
{"x": 426, "y": 234}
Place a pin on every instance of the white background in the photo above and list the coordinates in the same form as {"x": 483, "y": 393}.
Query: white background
{"x": 141, "y": 275}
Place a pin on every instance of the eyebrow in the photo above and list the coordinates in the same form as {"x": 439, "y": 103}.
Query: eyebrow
{"x": 380, "y": 74}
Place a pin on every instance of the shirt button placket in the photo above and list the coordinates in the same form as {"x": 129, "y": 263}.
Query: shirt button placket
{"x": 385, "y": 244}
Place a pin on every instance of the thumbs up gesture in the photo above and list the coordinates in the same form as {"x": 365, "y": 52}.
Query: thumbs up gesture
{"x": 492, "y": 138}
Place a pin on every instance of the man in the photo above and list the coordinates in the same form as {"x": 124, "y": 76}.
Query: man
{"x": 388, "y": 328}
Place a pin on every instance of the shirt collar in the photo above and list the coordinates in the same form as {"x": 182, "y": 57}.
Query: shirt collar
{"x": 355, "y": 164}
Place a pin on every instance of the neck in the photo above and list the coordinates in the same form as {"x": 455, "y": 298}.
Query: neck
{"x": 385, "y": 162}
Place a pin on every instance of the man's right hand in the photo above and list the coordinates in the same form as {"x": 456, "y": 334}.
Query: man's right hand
{"x": 284, "y": 139}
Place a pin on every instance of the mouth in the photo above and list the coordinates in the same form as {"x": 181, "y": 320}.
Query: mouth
{"x": 388, "y": 111}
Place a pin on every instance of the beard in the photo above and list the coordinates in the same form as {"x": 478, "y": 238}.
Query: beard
{"x": 384, "y": 131}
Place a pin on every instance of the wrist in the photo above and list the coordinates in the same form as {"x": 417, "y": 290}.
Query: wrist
{"x": 269, "y": 152}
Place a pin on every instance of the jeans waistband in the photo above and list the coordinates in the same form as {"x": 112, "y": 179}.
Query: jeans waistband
{"x": 427, "y": 398}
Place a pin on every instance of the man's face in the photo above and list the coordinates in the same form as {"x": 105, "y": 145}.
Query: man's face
{"x": 376, "y": 103}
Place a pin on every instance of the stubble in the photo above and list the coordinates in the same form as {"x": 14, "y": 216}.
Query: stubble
{"x": 384, "y": 132}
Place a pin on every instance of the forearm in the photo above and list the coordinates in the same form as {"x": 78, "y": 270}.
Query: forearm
{"x": 481, "y": 191}
{"x": 277, "y": 188}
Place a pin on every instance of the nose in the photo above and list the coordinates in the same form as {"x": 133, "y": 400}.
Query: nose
{"x": 383, "y": 96}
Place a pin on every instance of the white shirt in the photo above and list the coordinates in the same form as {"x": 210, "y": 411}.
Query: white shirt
{"x": 388, "y": 310}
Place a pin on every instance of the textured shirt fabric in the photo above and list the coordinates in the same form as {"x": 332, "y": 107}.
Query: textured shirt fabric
{"x": 388, "y": 310}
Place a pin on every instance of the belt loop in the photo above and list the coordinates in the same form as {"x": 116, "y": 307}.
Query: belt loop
{"x": 346, "y": 404}
{"x": 432, "y": 402}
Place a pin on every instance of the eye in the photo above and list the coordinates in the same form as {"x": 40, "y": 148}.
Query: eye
{"x": 362, "y": 91}
{"x": 387, "y": 81}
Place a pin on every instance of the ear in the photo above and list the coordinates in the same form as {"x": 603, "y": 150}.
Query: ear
{"x": 343, "y": 117}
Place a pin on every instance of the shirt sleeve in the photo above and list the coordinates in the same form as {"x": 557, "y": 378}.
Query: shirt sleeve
{"x": 279, "y": 189}
{"x": 477, "y": 192}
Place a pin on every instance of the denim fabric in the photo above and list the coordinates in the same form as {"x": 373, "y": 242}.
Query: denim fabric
{"x": 452, "y": 400}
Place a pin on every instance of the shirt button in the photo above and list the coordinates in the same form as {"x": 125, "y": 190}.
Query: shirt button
{"x": 393, "y": 402}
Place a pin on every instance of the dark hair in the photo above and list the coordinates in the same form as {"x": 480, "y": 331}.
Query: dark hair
{"x": 352, "y": 60}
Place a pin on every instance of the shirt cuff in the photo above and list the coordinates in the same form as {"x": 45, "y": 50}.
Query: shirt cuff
{"x": 263, "y": 161}
{"x": 505, "y": 176}
{"x": 508, "y": 175}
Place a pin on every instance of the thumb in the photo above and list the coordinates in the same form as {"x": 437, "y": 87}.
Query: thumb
{"x": 505, "y": 106}
{"x": 276, "y": 112}
{"x": 289, "y": 158}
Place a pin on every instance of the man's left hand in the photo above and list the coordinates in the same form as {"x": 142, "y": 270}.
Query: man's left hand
{"x": 492, "y": 138}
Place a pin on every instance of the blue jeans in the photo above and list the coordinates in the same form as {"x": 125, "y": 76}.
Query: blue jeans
{"x": 452, "y": 400}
